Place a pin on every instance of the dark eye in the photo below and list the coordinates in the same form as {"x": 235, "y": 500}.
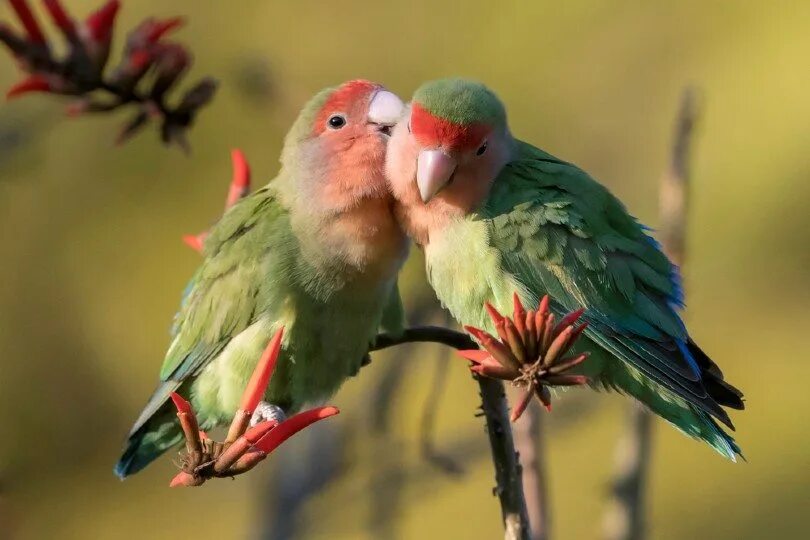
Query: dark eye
{"x": 336, "y": 121}
{"x": 409, "y": 127}
{"x": 482, "y": 149}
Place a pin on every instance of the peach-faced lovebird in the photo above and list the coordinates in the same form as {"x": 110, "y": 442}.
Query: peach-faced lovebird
{"x": 496, "y": 215}
{"x": 317, "y": 251}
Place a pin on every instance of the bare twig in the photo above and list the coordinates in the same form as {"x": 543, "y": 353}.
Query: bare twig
{"x": 624, "y": 519}
{"x": 508, "y": 487}
{"x": 529, "y": 443}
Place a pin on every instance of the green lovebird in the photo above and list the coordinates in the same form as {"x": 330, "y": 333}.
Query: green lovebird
{"x": 317, "y": 251}
{"x": 496, "y": 215}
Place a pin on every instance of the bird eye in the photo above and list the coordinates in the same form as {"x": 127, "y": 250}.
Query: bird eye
{"x": 409, "y": 127}
{"x": 481, "y": 149}
{"x": 336, "y": 121}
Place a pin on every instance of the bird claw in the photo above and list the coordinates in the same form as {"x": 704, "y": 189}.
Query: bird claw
{"x": 267, "y": 412}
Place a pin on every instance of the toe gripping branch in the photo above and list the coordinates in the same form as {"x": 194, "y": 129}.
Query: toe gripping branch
{"x": 243, "y": 448}
{"x": 530, "y": 351}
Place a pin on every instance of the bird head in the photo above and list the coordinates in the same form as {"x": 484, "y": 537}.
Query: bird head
{"x": 449, "y": 147}
{"x": 335, "y": 151}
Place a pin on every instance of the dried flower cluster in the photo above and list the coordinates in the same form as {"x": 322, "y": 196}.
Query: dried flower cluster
{"x": 244, "y": 447}
{"x": 530, "y": 352}
{"x": 149, "y": 68}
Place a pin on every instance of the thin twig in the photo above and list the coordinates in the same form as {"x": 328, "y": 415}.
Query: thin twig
{"x": 509, "y": 487}
{"x": 528, "y": 432}
{"x": 625, "y": 515}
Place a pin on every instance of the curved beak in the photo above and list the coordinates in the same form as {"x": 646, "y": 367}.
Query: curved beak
{"x": 434, "y": 170}
{"x": 385, "y": 110}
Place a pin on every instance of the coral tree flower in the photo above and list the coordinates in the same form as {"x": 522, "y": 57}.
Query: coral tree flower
{"x": 150, "y": 67}
{"x": 530, "y": 351}
{"x": 243, "y": 448}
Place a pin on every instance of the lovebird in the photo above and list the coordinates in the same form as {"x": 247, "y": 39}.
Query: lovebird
{"x": 317, "y": 251}
{"x": 497, "y": 216}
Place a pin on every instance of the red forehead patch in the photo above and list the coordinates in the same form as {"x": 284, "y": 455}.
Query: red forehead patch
{"x": 344, "y": 99}
{"x": 431, "y": 130}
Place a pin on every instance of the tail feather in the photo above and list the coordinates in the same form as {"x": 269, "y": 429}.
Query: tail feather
{"x": 676, "y": 410}
{"x": 719, "y": 390}
{"x": 148, "y": 442}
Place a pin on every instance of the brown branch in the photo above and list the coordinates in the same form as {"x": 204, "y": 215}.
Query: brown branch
{"x": 528, "y": 432}
{"x": 508, "y": 488}
{"x": 624, "y": 519}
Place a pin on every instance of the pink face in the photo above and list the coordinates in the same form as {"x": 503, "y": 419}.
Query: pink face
{"x": 446, "y": 169}
{"x": 347, "y": 145}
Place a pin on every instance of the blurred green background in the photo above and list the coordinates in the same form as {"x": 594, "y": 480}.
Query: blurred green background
{"x": 92, "y": 268}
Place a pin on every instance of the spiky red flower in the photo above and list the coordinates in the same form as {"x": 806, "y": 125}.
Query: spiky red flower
{"x": 529, "y": 351}
{"x": 238, "y": 189}
{"x": 244, "y": 447}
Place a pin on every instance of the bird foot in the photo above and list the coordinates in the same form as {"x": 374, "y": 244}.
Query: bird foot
{"x": 267, "y": 411}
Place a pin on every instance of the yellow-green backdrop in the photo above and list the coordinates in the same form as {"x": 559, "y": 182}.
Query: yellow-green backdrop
{"x": 91, "y": 265}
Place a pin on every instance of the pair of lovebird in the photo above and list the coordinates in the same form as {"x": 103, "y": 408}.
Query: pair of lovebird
{"x": 318, "y": 250}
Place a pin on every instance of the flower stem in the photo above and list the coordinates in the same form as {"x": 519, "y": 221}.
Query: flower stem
{"x": 508, "y": 472}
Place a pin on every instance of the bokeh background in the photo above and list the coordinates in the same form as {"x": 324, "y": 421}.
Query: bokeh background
{"x": 91, "y": 268}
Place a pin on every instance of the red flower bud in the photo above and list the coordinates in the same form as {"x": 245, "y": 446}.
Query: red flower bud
{"x": 291, "y": 426}
{"x": 27, "y": 19}
{"x": 195, "y": 242}
{"x": 60, "y": 17}
{"x": 157, "y": 29}
{"x": 257, "y": 385}
{"x": 100, "y": 24}
{"x": 240, "y": 182}
{"x": 34, "y": 83}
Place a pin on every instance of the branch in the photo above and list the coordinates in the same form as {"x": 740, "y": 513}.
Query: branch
{"x": 528, "y": 432}
{"x": 424, "y": 334}
{"x": 509, "y": 488}
{"x": 624, "y": 519}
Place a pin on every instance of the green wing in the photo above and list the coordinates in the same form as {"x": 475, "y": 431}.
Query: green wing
{"x": 226, "y": 293}
{"x": 559, "y": 231}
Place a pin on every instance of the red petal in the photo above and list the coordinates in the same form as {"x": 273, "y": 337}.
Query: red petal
{"x": 261, "y": 375}
{"x": 495, "y": 370}
{"x": 161, "y": 28}
{"x": 493, "y": 313}
{"x": 28, "y": 21}
{"x": 576, "y": 333}
{"x": 182, "y": 405}
{"x": 568, "y": 320}
{"x": 34, "y": 83}
{"x": 519, "y": 314}
{"x": 60, "y": 17}
{"x": 542, "y": 307}
{"x": 474, "y": 355}
{"x": 139, "y": 59}
{"x": 254, "y": 434}
{"x": 518, "y": 409}
{"x": 100, "y": 23}
{"x": 291, "y": 426}
{"x": 240, "y": 181}
{"x": 183, "y": 479}
{"x": 195, "y": 242}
